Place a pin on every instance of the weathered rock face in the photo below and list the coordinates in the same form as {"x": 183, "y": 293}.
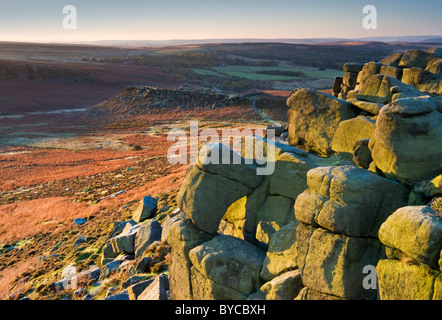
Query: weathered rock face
{"x": 314, "y": 118}
{"x": 348, "y": 200}
{"x": 407, "y": 139}
{"x": 362, "y": 154}
{"x": 228, "y": 262}
{"x": 123, "y": 243}
{"x": 412, "y": 271}
{"x": 149, "y": 232}
{"x": 333, "y": 264}
{"x": 241, "y": 215}
{"x": 435, "y": 66}
{"x": 183, "y": 237}
{"x": 369, "y": 70}
{"x": 340, "y": 216}
{"x": 281, "y": 255}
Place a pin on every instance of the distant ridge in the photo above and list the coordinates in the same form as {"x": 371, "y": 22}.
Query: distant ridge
{"x": 153, "y": 43}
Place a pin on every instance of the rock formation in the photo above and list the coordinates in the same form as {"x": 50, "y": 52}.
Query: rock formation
{"x": 317, "y": 226}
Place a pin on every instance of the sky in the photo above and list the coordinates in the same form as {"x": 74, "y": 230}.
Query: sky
{"x": 42, "y": 20}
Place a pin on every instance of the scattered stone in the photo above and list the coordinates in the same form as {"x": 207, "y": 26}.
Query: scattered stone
{"x": 148, "y": 233}
{"x": 123, "y": 295}
{"x": 146, "y": 209}
{"x": 157, "y": 290}
{"x": 80, "y": 221}
{"x": 110, "y": 268}
{"x": 138, "y": 288}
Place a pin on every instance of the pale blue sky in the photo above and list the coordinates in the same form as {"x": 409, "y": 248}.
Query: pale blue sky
{"x": 41, "y": 20}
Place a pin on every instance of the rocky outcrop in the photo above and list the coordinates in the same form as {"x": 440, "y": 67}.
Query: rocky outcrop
{"x": 322, "y": 227}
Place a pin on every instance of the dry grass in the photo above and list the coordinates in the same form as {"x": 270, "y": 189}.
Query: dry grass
{"x": 25, "y": 219}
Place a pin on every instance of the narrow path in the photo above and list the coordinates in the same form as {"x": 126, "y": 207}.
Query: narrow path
{"x": 264, "y": 115}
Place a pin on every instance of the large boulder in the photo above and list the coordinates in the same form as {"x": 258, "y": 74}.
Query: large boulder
{"x": 392, "y": 60}
{"x": 368, "y": 70}
{"x": 383, "y": 89}
{"x": 415, "y": 58}
{"x": 348, "y": 200}
{"x": 350, "y": 131}
{"x": 284, "y": 287}
{"x": 416, "y": 231}
{"x": 423, "y": 80}
{"x": 205, "y": 197}
{"x": 435, "y": 66}
{"x": 314, "y": 117}
{"x": 219, "y": 159}
{"x": 230, "y": 262}
{"x": 391, "y": 72}
{"x": 407, "y": 139}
